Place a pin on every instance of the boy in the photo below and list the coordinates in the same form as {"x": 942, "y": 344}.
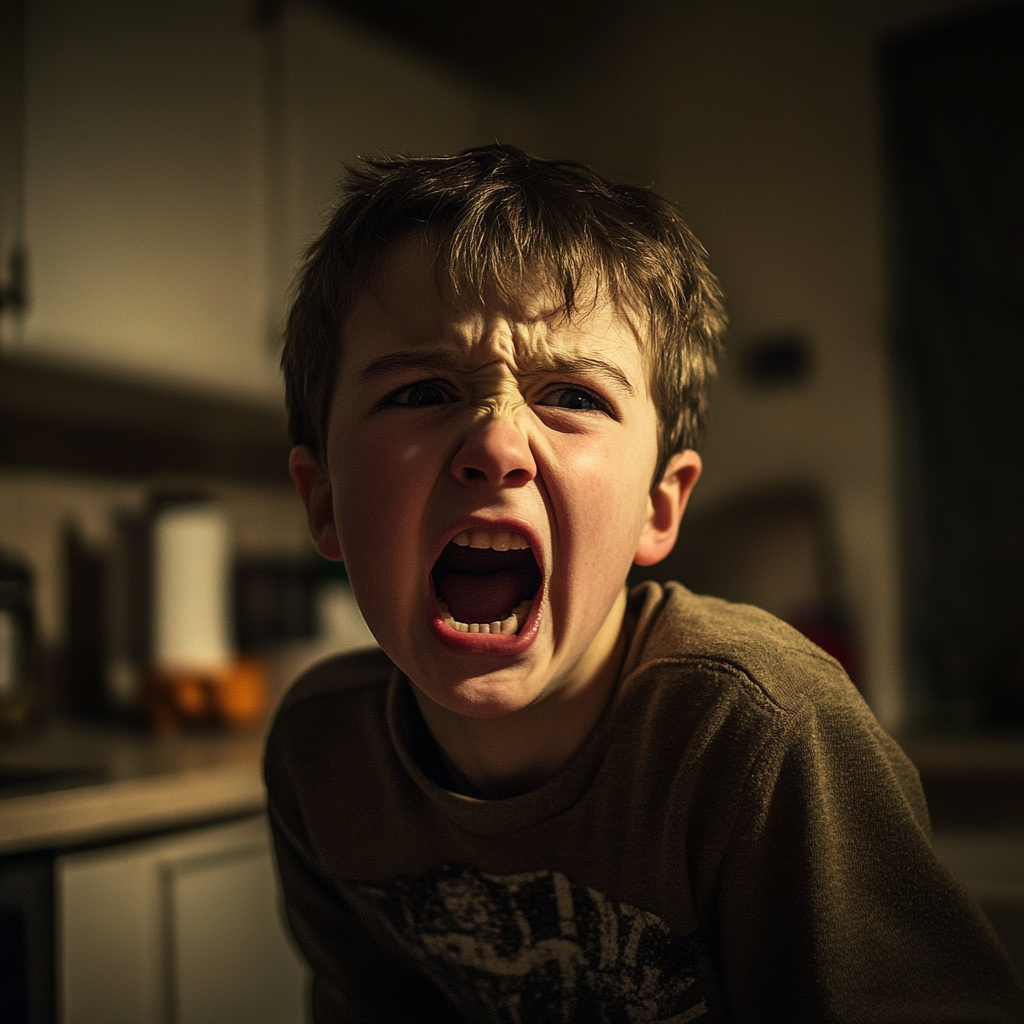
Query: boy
{"x": 544, "y": 799}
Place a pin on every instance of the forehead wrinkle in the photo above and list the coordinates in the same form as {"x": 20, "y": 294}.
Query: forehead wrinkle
{"x": 473, "y": 345}
{"x": 442, "y": 359}
{"x": 544, "y": 348}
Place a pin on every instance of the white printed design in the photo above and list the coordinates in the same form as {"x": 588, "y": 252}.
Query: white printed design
{"x": 537, "y": 948}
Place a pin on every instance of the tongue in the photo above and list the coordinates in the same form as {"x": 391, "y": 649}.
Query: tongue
{"x": 489, "y": 597}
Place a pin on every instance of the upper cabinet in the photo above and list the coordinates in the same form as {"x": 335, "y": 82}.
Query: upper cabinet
{"x": 178, "y": 156}
{"x": 143, "y": 190}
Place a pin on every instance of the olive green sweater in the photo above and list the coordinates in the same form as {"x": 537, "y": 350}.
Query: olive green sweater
{"x": 736, "y": 840}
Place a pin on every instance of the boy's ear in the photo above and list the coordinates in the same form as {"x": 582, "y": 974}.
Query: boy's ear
{"x": 665, "y": 507}
{"x": 314, "y": 487}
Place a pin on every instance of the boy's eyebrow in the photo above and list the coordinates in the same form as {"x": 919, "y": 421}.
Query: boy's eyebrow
{"x": 427, "y": 359}
{"x": 444, "y": 359}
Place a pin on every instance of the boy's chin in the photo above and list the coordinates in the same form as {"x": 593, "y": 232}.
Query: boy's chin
{"x": 483, "y": 697}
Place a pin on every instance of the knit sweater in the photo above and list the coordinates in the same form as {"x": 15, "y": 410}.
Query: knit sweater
{"x": 736, "y": 840}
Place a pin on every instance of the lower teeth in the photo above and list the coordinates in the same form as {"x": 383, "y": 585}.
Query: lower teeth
{"x": 512, "y": 624}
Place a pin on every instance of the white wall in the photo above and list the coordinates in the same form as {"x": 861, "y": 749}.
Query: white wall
{"x": 343, "y": 92}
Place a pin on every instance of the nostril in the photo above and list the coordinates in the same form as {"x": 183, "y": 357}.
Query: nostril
{"x": 512, "y": 478}
{"x": 494, "y": 453}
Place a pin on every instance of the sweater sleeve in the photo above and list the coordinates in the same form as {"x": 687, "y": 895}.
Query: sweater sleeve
{"x": 354, "y": 980}
{"x": 831, "y": 903}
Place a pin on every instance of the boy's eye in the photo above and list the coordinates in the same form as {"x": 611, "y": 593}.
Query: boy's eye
{"x": 424, "y": 393}
{"x": 573, "y": 398}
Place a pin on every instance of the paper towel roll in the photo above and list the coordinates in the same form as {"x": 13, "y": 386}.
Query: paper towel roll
{"x": 191, "y": 588}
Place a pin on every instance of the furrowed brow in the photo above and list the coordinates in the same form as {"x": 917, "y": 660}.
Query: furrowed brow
{"x": 443, "y": 360}
{"x": 583, "y": 366}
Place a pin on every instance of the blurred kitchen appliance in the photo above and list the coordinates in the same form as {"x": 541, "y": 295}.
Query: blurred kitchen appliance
{"x": 191, "y": 579}
{"x": 150, "y": 632}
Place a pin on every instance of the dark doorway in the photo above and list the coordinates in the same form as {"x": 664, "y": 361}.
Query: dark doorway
{"x": 953, "y": 100}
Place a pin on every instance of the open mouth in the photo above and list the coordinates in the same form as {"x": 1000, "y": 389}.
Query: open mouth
{"x": 485, "y": 581}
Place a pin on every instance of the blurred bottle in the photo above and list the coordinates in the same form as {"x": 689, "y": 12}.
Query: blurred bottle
{"x": 18, "y": 662}
{"x": 196, "y": 677}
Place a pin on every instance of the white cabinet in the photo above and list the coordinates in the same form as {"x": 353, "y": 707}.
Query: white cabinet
{"x": 180, "y": 929}
{"x": 144, "y": 190}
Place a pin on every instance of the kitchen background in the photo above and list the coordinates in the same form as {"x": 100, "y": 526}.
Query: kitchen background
{"x": 164, "y": 164}
{"x": 174, "y": 158}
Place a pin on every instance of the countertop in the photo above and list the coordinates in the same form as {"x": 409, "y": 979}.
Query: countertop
{"x": 74, "y": 783}
{"x": 71, "y": 783}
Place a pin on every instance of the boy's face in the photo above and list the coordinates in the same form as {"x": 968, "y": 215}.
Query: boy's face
{"x": 486, "y": 468}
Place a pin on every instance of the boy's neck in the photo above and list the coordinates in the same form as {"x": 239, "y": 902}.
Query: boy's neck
{"x": 503, "y": 757}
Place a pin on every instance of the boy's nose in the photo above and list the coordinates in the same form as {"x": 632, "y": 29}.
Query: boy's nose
{"x": 495, "y": 453}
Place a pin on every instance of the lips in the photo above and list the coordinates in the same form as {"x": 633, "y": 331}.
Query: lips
{"x": 485, "y": 581}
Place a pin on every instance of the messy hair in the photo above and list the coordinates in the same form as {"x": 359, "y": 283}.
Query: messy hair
{"x": 501, "y": 220}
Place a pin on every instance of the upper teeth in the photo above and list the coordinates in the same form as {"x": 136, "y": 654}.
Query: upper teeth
{"x": 499, "y": 540}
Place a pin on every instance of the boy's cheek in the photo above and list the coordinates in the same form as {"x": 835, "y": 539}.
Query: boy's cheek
{"x": 378, "y": 512}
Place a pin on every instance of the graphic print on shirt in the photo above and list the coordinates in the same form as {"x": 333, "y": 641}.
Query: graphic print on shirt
{"x": 538, "y": 948}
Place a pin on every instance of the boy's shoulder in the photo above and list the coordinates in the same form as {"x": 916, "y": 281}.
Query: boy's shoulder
{"x": 743, "y": 693}
{"x": 765, "y": 661}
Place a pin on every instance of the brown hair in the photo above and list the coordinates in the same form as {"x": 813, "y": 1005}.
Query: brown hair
{"x": 502, "y": 218}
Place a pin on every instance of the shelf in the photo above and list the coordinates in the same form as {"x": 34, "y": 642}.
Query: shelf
{"x": 66, "y": 419}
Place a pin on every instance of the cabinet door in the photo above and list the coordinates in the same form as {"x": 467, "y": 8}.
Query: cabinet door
{"x": 183, "y": 929}
{"x": 143, "y": 190}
